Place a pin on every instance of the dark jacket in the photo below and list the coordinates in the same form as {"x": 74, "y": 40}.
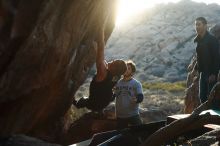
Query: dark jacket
{"x": 208, "y": 55}
{"x": 100, "y": 93}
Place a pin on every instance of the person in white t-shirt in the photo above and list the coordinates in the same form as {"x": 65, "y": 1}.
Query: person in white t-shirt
{"x": 128, "y": 93}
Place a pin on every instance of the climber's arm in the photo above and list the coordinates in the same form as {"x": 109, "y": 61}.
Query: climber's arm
{"x": 101, "y": 64}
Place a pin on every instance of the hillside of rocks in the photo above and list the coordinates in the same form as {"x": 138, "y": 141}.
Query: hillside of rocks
{"x": 160, "y": 40}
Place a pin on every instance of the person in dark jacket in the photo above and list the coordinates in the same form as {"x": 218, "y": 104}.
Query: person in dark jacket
{"x": 208, "y": 56}
{"x": 100, "y": 91}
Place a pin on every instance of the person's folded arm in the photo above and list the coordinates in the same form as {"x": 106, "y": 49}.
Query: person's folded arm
{"x": 140, "y": 98}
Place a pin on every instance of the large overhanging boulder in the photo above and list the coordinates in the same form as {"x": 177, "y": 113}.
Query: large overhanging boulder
{"x": 46, "y": 56}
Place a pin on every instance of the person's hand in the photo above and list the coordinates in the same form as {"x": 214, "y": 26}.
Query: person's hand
{"x": 194, "y": 114}
{"x": 197, "y": 111}
{"x": 218, "y": 77}
{"x": 100, "y": 36}
{"x": 211, "y": 96}
{"x": 133, "y": 100}
{"x": 94, "y": 43}
{"x": 212, "y": 78}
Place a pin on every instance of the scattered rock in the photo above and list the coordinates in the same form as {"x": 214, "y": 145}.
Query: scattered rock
{"x": 146, "y": 115}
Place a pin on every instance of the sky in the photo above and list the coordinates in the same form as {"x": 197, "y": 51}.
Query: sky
{"x": 127, "y": 8}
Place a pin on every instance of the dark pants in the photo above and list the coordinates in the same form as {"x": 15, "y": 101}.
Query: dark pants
{"x": 131, "y": 121}
{"x": 204, "y": 87}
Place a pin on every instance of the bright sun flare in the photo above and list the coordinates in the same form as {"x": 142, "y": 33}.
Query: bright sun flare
{"x": 129, "y": 8}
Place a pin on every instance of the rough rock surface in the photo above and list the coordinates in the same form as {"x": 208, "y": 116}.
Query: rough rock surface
{"x": 45, "y": 60}
{"x": 207, "y": 139}
{"x": 146, "y": 115}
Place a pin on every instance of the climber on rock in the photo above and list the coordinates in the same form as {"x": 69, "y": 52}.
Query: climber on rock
{"x": 108, "y": 73}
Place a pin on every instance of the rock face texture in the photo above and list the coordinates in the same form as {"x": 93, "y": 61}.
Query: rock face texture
{"x": 191, "y": 98}
{"x": 160, "y": 41}
{"x": 209, "y": 138}
{"x": 46, "y": 56}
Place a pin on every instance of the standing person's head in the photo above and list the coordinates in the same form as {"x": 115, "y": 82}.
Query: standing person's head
{"x": 117, "y": 67}
{"x": 201, "y": 26}
{"x": 131, "y": 69}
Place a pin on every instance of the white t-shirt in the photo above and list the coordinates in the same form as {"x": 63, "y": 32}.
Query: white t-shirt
{"x": 124, "y": 91}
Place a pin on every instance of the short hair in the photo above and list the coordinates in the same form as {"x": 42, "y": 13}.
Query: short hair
{"x": 132, "y": 64}
{"x": 202, "y": 19}
{"x": 121, "y": 66}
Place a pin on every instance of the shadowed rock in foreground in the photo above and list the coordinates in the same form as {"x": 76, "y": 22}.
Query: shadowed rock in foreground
{"x": 22, "y": 140}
